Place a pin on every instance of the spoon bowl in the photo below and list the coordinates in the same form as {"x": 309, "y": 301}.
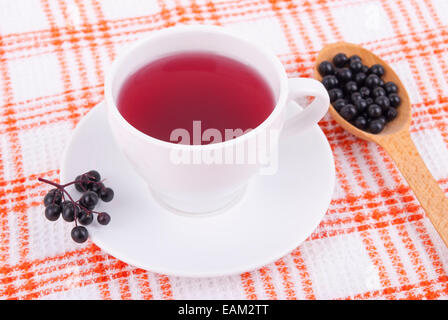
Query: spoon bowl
{"x": 401, "y": 122}
{"x": 396, "y": 139}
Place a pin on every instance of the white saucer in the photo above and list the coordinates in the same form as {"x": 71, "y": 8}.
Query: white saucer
{"x": 274, "y": 216}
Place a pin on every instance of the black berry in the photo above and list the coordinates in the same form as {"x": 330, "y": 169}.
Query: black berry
{"x": 355, "y": 57}
{"x": 355, "y": 66}
{"x": 85, "y": 218}
{"x": 82, "y": 183}
{"x": 348, "y": 112}
{"x": 372, "y": 81}
{"x": 97, "y": 187}
{"x": 394, "y": 100}
{"x": 79, "y": 234}
{"x": 378, "y": 91}
{"x": 390, "y": 87}
{"x": 360, "y": 78}
{"x": 334, "y": 95}
{"x": 382, "y": 119}
{"x": 69, "y": 211}
{"x": 355, "y": 96}
{"x": 340, "y": 60}
{"x": 52, "y": 212}
{"x": 344, "y": 74}
{"x": 391, "y": 114}
{"x": 360, "y": 122}
{"x": 376, "y": 126}
{"x": 377, "y": 69}
{"x": 383, "y": 101}
{"x": 103, "y": 218}
{"x": 330, "y": 82}
{"x": 326, "y": 68}
{"x": 89, "y": 200}
{"x": 351, "y": 87}
{"x": 93, "y": 175}
{"x": 361, "y": 105}
{"x": 364, "y": 91}
{"x": 374, "y": 111}
{"x": 338, "y": 104}
{"x": 107, "y": 194}
{"x": 54, "y": 196}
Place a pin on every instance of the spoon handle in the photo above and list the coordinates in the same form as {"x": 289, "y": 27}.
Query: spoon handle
{"x": 428, "y": 192}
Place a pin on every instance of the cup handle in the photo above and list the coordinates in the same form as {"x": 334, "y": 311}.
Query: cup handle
{"x": 299, "y": 120}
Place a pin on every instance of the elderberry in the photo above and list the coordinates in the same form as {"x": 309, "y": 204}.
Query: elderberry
{"x": 359, "y": 93}
{"x": 58, "y": 201}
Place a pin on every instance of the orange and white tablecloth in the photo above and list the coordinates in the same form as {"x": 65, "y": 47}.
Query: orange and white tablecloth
{"x": 374, "y": 241}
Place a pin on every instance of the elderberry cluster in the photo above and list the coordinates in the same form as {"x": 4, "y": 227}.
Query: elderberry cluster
{"x": 59, "y": 202}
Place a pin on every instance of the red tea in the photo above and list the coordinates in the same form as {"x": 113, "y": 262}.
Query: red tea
{"x": 174, "y": 91}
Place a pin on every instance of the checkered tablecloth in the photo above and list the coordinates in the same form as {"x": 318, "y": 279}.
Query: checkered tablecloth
{"x": 374, "y": 241}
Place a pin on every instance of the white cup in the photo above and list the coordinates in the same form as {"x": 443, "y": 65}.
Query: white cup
{"x": 200, "y": 186}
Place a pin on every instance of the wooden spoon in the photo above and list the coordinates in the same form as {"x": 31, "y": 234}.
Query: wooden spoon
{"x": 396, "y": 139}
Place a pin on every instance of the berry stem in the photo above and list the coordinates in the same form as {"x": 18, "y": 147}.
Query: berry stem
{"x": 54, "y": 184}
{"x": 61, "y": 186}
{"x": 81, "y": 206}
{"x": 68, "y": 184}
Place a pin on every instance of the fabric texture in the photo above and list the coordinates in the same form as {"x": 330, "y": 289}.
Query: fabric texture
{"x": 375, "y": 241}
